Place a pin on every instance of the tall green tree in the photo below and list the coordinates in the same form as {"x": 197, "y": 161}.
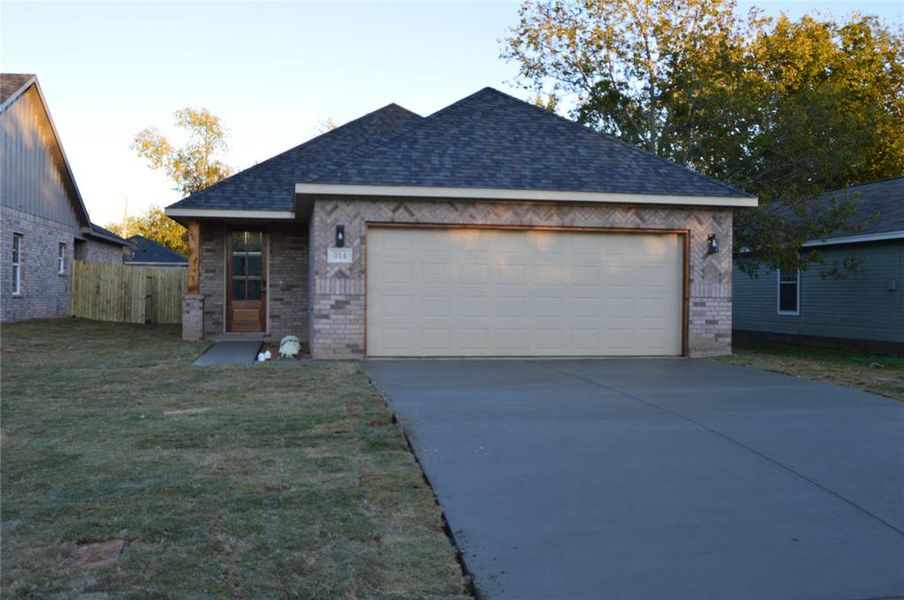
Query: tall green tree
{"x": 154, "y": 225}
{"x": 193, "y": 166}
{"x": 782, "y": 109}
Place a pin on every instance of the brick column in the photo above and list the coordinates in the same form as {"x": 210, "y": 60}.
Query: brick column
{"x": 192, "y": 317}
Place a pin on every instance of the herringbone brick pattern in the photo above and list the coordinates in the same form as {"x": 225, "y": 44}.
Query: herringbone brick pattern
{"x": 338, "y": 303}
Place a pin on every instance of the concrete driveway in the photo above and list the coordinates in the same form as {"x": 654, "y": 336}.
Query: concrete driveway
{"x": 657, "y": 478}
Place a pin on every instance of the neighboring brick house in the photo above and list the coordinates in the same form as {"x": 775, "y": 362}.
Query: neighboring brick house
{"x": 864, "y": 308}
{"x": 43, "y": 222}
{"x": 490, "y": 228}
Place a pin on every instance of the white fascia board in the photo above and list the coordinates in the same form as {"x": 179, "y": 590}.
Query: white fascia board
{"x": 415, "y": 191}
{"x": 856, "y": 239}
{"x": 207, "y": 213}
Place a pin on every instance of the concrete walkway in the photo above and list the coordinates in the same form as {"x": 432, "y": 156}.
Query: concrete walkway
{"x": 652, "y": 479}
{"x": 229, "y": 353}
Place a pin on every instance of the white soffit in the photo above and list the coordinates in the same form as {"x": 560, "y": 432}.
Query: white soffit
{"x": 207, "y": 213}
{"x": 414, "y": 191}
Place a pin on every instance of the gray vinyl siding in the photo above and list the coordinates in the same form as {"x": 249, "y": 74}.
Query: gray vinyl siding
{"x": 31, "y": 180}
{"x": 858, "y": 307}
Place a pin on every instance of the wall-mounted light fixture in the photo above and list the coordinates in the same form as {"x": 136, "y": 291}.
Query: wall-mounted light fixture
{"x": 340, "y": 236}
{"x": 712, "y": 244}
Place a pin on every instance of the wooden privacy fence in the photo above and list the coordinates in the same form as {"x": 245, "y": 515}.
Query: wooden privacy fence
{"x": 127, "y": 294}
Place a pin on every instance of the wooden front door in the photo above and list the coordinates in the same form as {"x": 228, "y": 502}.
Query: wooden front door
{"x": 246, "y": 282}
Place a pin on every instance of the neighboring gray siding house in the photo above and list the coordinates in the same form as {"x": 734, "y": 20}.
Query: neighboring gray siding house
{"x": 866, "y": 308}
{"x": 43, "y": 222}
{"x": 489, "y": 228}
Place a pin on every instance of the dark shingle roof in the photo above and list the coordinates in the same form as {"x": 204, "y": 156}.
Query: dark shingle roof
{"x": 493, "y": 140}
{"x": 149, "y": 251}
{"x": 270, "y": 185}
{"x": 879, "y": 206}
{"x": 105, "y": 235}
{"x": 487, "y": 140}
{"x": 10, "y": 83}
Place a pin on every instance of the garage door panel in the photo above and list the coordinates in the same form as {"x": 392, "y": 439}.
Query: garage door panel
{"x": 480, "y": 292}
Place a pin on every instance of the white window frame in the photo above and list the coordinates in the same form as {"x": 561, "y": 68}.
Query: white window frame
{"x": 17, "y": 264}
{"x": 778, "y": 294}
{"x": 61, "y": 258}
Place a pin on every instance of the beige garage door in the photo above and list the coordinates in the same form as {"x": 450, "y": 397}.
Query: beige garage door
{"x": 488, "y": 292}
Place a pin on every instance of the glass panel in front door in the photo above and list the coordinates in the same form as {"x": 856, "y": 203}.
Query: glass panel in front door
{"x": 247, "y": 265}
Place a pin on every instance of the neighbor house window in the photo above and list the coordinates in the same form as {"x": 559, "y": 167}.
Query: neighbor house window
{"x": 17, "y": 263}
{"x": 61, "y": 259}
{"x": 789, "y": 292}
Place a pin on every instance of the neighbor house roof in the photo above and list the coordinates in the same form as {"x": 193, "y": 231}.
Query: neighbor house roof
{"x": 485, "y": 145}
{"x": 878, "y": 211}
{"x": 104, "y": 235}
{"x": 13, "y": 84}
{"x": 148, "y": 251}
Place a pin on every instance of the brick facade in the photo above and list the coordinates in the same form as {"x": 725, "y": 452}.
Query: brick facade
{"x": 287, "y": 279}
{"x": 45, "y": 292}
{"x": 98, "y": 252}
{"x": 338, "y": 291}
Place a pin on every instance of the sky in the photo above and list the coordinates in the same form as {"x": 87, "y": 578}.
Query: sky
{"x": 273, "y": 72}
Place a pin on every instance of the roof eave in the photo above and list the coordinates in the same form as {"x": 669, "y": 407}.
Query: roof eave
{"x": 463, "y": 193}
{"x": 102, "y": 237}
{"x": 856, "y": 239}
{"x": 184, "y": 214}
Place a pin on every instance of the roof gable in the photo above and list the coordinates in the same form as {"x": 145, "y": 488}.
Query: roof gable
{"x": 270, "y": 185}
{"x": 13, "y": 87}
{"x": 493, "y": 140}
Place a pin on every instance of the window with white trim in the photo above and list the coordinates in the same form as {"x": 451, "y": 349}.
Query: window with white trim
{"x": 61, "y": 259}
{"x": 788, "y": 293}
{"x": 17, "y": 264}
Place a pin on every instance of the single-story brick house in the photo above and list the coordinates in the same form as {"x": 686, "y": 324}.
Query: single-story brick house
{"x": 44, "y": 224}
{"x": 489, "y": 228}
{"x": 864, "y": 308}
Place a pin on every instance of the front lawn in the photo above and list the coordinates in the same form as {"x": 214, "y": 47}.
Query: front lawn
{"x": 275, "y": 480}
{"x": 872, "y": 372}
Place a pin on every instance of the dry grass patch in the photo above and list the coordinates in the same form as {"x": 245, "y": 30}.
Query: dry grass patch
{"x": 273, "y": 480}
{"x": 876, "y": 373}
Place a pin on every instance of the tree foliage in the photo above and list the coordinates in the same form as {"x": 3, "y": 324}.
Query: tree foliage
{"x": 154, "y": 225}
{"x": 779, "y": 108}
{"x": 193, "y": 166}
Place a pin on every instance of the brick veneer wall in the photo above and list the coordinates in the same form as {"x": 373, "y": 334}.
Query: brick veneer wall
{"x": 338, "y": 302}
{"x": 45, "y": 292}
{"x": 213, "y": 276}
{"x": 287, "y": 282}
{"x": 98, "y": 252}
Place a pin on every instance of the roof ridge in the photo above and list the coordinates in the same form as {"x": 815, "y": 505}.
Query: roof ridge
{"x": 322, "y": 136}
{"x": 488, "y": 90}
{"x": 617, "y": 140}
{"x": 864, "y": 184}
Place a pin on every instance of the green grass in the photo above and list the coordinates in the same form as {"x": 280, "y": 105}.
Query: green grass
{"x": 294, "y": 483}
{"x": 876, "y": 373}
